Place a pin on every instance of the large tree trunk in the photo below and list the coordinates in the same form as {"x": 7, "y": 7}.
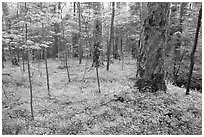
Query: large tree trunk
{"x": 111, "y": 36}
{"x": 151, "y": 58}
{"x": 193, "y": 51}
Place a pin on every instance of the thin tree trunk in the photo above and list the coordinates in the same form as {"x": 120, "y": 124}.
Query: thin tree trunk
{"x": 31, "y": 92}
{"x": 115, "y": 53}
{"x": 29, "y": 75}
{"x": 193, "y": 52}
{"x": 47, "y": 73}
{"x": 121, "y": 50}
{"x": 111, "y": 36}
{"x": 3, "y": 57}
{"x": 23, "y": 60}
{"x": 98, "y": 80}
{"x": 80, "y": 48}
{"x": 74, "y": 8}
{"x": 97, "y": 39}
{"x": 68, "y": 75}
{"x": 73, "y": 34}
{"x": 67, "y": 68}
{"x": 18, "y": 53}
{"x": 45, "y": 58}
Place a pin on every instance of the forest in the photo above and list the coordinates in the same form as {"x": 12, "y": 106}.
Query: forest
{"x": 101, "y": 68}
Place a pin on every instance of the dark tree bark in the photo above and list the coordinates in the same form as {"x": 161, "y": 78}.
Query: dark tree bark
{"x": 47, "y": 73}
{"x": 193, "y": 51}
{"x": 17, "y": 27}
{"x": 23, "y": 58}
{"x": 74, "y": 8}
{"x": 121, "y": 52}
{"x": 80, "y": 47}
{"x": 115, "y": 55}
{"x": 142, "y": 16}
{"x": 111, "y": 36}
{"x": 67, "y": 68}
{"x": 3, "y": 57}
{"x": 151, "y": 58}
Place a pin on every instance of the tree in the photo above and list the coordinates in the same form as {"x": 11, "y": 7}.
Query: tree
{"x": 66, "y": 60}
{"x": 80, "y": 47}
{"x": 151, "y": 58}
{"x": 97, "y": 38}
{"x": 44, "y": 46}
{"x": 193, "y": 51}
{"x": 29, "y": 75}
{"x": 5, "y": 13}
{"x": 110, "y": 36}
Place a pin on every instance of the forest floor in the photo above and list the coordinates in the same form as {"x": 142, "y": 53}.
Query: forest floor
{"x": 76, "y": 107}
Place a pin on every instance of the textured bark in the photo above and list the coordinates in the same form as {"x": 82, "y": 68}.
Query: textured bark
{"x": 151, "y": 57}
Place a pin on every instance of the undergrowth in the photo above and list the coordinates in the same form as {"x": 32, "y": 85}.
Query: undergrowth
{"x": 80, "y": 110}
